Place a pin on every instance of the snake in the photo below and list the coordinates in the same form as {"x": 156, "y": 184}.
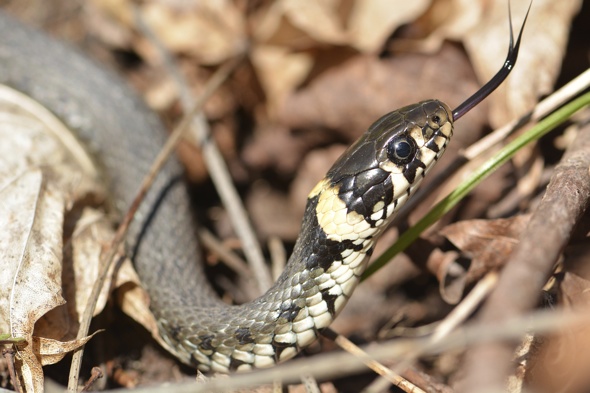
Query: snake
{"x": 345, "y": 215}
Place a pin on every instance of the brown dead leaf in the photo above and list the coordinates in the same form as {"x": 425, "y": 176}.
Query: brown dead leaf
{"x": 279, "y": 70}
{"x": 543, "y": 46}
{"x": 487, "y": 242}
{"x": 371, "y": 22}
{"x": 42, "y": 171}
{"x": 298, "y": 23}
{"x": 31, "y": 219}
{"x": 211, "y": 31}
{"x": 350, "y": 97}
{"x": 560, "y": 361}
{"x": 450, "y": 274}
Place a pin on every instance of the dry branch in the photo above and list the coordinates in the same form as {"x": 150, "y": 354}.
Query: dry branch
{"x": 531, "y": 263}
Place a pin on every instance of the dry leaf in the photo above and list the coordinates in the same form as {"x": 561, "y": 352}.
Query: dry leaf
{"x": 30, "y": 243}
{"x": 560, "y": 361}
{"x": 543, "y": 46}
{"x": 487, "y": 242}
{"x": 42, "y": 171}
{"x": 371, "y": 22}
{"x": 212, "y": 31}
{"x": 348, "y": 98}
{"x": 279, "y": 70}
{"x": 318, "y": 20}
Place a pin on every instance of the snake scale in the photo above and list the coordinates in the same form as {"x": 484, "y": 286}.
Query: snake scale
{"x": 345, "y": 214}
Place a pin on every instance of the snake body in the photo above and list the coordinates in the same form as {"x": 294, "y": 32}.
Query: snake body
{"x": 345, "y": 213}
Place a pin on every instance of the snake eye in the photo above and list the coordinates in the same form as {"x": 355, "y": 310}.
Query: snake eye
{"x": 401, "y": 150}
{"x": 436, "y": 119}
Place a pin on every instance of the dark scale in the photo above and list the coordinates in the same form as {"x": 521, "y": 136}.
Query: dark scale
{"x": 431, "y": 144}
{"x": 322, "y": 251}
{"x": 330, "y": 300}
{"x": 411, "y": 168}
{"x": 279, "y": 347}
{"x": 364, "y": 191}
{"x": 174, "y": 331}
{"x": 235, "y": 363}
{"x": 289, "y": 311}
{"x": 243, "y": 336}
{"x": 206, "y": 342}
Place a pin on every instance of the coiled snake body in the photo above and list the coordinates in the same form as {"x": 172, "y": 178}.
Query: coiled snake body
{"x": 345, "y": 214}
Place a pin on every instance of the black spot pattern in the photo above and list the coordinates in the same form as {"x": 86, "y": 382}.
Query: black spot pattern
{"x": 206, "y": 344}
{"x": 322, "y": 252}
{"x": 362, "y": 192}
{"x": 330, "y": 300}
{"x": 431, "y": 144}
{"x": 280, "y": 347}
{"x": 411, "y": 168}
{"x": 244, "y": 336}
{"x": 289, "y": 311}
{"x": 235, "y": 363}
{"x": 174, "y": 331}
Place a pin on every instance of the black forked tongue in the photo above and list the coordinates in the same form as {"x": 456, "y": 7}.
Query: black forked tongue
{"x": 497, "y": 80}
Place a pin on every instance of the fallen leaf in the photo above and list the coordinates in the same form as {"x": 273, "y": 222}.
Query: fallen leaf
{"x": 211, "y": 31}
{"x": 487, "y": 242}
{"x": 543, "y": 46}
{"x": 372, "y": 22}
{"x": 42, "y": 171}
{"x": 559, "y": 361}
{"x": 318, "y": 20}
{"x": 348, "y": 98}
{"x": 279, "y": 71}
{"x": 30, "y": 243}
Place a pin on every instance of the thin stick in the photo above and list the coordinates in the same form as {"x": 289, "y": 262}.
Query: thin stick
{"x": 8, "y": 354}
{"x": 322, "y": 366}
{"x": 231, "y": 259}
{"x": 217, "y": 168}
{"x": 350, "y": 347}
{"x": 95, "y": 374}
{"x": 548, "y": 231}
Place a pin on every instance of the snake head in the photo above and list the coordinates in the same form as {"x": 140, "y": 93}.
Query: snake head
{"x": 384, "y": 166}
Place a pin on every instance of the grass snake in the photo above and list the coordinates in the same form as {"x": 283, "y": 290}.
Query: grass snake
{"x": 345, "y": 214}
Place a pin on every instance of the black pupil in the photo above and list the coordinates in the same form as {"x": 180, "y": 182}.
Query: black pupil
{"x": 403, "y": 149}
{"x": 436, "y": 119}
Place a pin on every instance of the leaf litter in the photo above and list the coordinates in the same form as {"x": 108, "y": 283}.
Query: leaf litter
{"x": 318, "y": 74}
{"x": 40, "y": 179}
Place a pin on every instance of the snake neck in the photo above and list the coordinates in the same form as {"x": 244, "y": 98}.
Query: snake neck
{"x": 323, "y": 271}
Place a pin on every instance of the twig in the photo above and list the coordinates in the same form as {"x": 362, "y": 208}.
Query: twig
{"x": 455, "y": 317}
{"x": 212, "y": 84}
{"x": 322, "y": 366}
{"x": 231, "y": 260}
{"x": 95, "y": 373}
{"x": 310, "y": 383}
{"x": 228, "y": 257}
{"x": 520, "y": 284}
{"x": 394, "y": 378}
{"x": 466, "y": 307}
{"x": 232, "y": 202}
{"x": 8, "y": 354}
{"x": 217, "y": 168}
{"x": 277, "y": 386}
